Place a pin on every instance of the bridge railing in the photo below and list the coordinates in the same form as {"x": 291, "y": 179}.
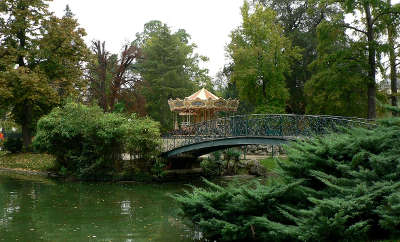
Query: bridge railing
{"x": 260, "y": 125}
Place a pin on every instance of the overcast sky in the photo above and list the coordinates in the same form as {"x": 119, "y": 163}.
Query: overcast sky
{"x": 209, "y": 22}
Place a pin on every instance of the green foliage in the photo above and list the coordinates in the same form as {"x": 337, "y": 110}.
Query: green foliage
{"x": 211, "y": 167}
{"x": 367, "y": 23}
{"x": 340, "y": 187}
{"x": 158, "y": 168}
{"x": 170, "y": 69}
{"x": 239, "y": 213}
{"x": 142, "y": 137}
{"x": 216, "y": 155}
{"x": 299, "y": 20}
{"x": 89, "y": 143}
{"x": 227, "y": 88}
{"x": 338, "y": 85}
{"x": 13, "y": 144}
{"x": 261, "y": 56}
{"x": 232, "y": 154}
{"x": 41, "y": 57}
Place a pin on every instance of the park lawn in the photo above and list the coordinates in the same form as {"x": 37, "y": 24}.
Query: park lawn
{"x": 271, "y": 163}
{"x": 27, "y": 161}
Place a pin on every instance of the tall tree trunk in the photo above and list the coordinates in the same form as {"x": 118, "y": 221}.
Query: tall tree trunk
{"x": 392, "y": 59}
{"x": 372, "y": 65}
{"x": 26, "y": 128}
{"x": 26, "y": 136}
{"x": 114, "y": 94}
{"x": 27, "y": 119}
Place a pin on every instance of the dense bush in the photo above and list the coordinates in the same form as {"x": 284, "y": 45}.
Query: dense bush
{"x": 13, "y": 144}
{"x": 232, "y": 154}
{"x": 211, "y": 167}
{"x": 89, "y": 143}
{"x": 341, "y": 187}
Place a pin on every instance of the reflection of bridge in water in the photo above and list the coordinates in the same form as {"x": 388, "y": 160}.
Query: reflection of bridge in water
{"x": 273, "y": 129}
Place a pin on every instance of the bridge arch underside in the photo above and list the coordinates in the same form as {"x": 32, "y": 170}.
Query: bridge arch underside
{"x": 205, "y": 147}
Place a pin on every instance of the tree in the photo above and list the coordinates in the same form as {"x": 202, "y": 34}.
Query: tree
{"x": 367, "y": 25}
{"x": 261, "y": 56}
{"x": 109, "y": 75}
{"x": 299, "y": 20}
{"x": 392, "y": 34}
{"x": 226, "y": 88}
{"x": 169, "y": 68}
{"x": 338, "y": 84}
{"x": 41, "y": 60}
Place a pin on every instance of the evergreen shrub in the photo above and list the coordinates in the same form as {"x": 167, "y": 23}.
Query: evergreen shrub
{"x": 339, "y": 187}
{"x": 89, "y": 143}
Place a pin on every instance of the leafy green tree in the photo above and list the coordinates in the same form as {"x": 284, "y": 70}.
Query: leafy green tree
{"x": 261, "y": 56}
{"x": 169, "y": 68}
{"x": 227, "y": 88}
{"x": 41, "y": 58}
{"x": 368, "y": 26}
{"x": 338, "y": 85}
{"x": 299, "y": 20}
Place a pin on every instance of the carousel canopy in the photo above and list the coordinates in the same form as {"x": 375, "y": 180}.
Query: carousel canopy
{"x": 203, "y": 100}
{"x": 202, "y": 94}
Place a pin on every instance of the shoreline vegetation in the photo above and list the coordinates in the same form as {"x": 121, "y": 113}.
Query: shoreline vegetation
{"x": 44, "y": 165}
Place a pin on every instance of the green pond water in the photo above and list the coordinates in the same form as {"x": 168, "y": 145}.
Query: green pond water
{"x": 35, "y": 209}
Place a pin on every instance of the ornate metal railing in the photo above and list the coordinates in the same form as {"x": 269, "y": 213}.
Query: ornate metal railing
{"x": 260, "y": 125}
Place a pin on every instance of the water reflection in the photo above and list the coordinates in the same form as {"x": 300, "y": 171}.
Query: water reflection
{"x": 126, "y": 207}
{"x": 41, "y": 211}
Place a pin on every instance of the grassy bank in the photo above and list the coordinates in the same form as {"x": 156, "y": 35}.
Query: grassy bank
{"x": 27, "y": 161}
{"x": 271, "y": 163}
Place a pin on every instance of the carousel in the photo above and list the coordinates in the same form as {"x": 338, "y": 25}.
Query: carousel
{"x": 199, "y": 107}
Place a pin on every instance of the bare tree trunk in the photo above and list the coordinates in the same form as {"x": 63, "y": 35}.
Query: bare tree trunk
{"x": 392, "y": 59}
{"x": 102, "y": 58}
{"x": 108, "y": 91}
{"x": 372, "y": 65}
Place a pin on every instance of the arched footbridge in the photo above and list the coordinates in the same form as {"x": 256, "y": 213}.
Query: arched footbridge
{"x": 274, "y": 129}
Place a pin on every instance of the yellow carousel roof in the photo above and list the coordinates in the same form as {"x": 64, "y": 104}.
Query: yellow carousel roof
{"x": 202, "y": 94}
{"x": 203, "y": 100}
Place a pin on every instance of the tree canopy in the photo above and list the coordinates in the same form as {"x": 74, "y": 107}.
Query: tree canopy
{"x": 261, "y": 57}
{"x": 169, "y": 68}
{"x": 338, "y": 85}
{"x": 41, "y": 57}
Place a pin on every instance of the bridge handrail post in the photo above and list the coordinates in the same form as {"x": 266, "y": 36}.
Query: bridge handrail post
{"x": 297, "y": 131}
{"x": 247, "y": 126}
{"x": 232, "y": 119}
